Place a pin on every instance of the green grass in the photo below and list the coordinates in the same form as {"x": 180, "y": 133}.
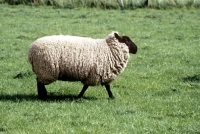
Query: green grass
{"x": 157, "y": 93}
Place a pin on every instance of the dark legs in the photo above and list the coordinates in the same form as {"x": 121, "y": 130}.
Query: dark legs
{"x": 109, "y": 91}
{"x": 86, "y": 86}
{"x": 83, "y": 91}
{"x": 42, "y": 92}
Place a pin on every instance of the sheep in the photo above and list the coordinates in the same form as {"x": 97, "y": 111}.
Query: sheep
{"x": 74, "y": 58}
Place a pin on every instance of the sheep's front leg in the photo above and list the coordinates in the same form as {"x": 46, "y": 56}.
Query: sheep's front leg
{"x": 83, "y": 91}
{"x": 42, "y": 92}
{"x": 109, "y": 91}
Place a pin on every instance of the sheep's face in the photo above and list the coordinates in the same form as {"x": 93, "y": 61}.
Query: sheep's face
{"x": 125, "y": 39}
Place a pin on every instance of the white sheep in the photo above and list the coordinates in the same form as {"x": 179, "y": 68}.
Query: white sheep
{"x": 73, "y": 58}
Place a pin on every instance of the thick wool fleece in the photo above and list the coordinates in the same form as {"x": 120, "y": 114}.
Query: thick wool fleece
{"x": 71, "y": 58}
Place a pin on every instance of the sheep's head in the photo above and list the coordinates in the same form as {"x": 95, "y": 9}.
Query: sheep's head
{"x": 125, "y": 39}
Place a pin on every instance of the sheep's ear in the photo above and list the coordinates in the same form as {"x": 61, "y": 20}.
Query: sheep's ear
{"x": 118, "y": 37}
{"x": 125, "y": 39}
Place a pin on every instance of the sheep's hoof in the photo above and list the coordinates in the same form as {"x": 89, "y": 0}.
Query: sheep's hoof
{"x": 42, "y": 92}
{"x": 79, "y": 96}
{"x": 42, "y": 95}
{"x": 112, "y": 97}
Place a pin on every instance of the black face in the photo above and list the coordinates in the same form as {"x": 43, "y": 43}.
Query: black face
{"x": 125, "y": 39}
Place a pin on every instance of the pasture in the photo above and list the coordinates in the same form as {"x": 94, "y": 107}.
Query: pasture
{"x": 159, "y": 91}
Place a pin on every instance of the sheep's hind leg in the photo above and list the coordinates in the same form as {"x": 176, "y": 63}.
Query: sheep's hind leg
{"x": 42, "y": 92}
{"x": 83, "y": 91}
{"x": 109, "y": 91}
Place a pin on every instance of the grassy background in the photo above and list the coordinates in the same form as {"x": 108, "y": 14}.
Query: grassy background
{"x": 157, "y": 93}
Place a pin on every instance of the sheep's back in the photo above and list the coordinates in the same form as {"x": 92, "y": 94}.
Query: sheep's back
{"x": 83, "y": 60}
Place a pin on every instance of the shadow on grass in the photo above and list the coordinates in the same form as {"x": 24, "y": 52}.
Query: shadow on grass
{"x": 2, "y": 130}
{"x": 194, "y": 78}
{"x": 50, "y": 98}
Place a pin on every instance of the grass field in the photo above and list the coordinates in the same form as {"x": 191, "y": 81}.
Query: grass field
{"x": 159, "y": 92}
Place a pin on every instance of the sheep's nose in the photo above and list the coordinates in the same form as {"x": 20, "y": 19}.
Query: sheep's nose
{"x": 134, "y": 50}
